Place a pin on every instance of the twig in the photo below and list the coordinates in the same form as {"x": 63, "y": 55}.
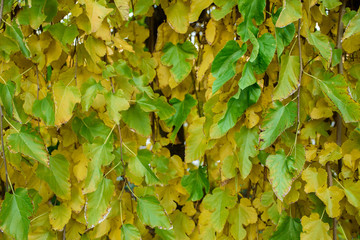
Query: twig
{"x": 300, "y": 75}
{"x": 3, "y": 150}
{"x": 37, "y": 90}
{"x": 1, "y": 10}
{"x": 76, "y": 62}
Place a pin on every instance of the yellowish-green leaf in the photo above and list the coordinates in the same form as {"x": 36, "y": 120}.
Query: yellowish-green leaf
{"x": 352, "y": 192}
{"x": 353, "y": 26}
{"x": 130, "y": 232}
{"x": 330, "y": 153}
{"x": 65, "y": 98}
{"x": 115, "y": 103}
{"x": 59, "y": 216}
{"x": 178, "y": 16}
{"x": 291, "y": 12}
{"x": 196, "y": 141}
{"x": 151, "y": 213}
{"x": 314, "y": 228}
{"x": 242, "y": 215}
{"x": 321, "y": 42}
{"x": 96, "y": 13}
{"x": 331, "y": 197}
{"x": 314, "y": 178}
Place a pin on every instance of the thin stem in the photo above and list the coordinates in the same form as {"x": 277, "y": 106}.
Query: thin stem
{"x": 1, "y": 9}
{"x": 129, "y": 149}
{"x": 3, "y": 151}
{"x": 37, "y": 90}
{"x": 17, "y": 130}
{"x": 76, "y": 62}
{"x": 300, "y": 75}
{"x": 130, "y": 189}
{"x": 38, "y": 216}
{"x": 108, "y": 136}
{"x": 2, "y": 79}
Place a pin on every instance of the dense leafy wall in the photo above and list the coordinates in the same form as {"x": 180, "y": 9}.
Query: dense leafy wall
{"x": 202, "y": 119}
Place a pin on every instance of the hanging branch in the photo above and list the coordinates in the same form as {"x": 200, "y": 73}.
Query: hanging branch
{"x": 300, "y": 75}
{"x": 37, "y": 90}
{"x": 1, "y": 10}
{"x": 3, "y": 150}
{"x": 76, "y": 61}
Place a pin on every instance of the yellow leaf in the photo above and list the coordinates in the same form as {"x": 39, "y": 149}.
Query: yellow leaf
{"x": 54, "y": 52}
{"x": 74, "y": 230}
{"x": 196, "y": 141}
{"x": 77, "y": 198}
{"x": 210, "y": 32}
{"x": 314, "y": 228}
{"x": 65, "y": 98}
{"x": 322, "y": 110}
{"x": 59, "y": 216}
{"x": 189, "y": 209}
{"x": 314, "y": 178}
{"x": 196, "y": 7}
{"x": 178, "y": 16}
{"x": 183, "y": 225}
{"x": 331, "y": 198}
{"x": 207, "y": 59}
{"x": 331, "y": 153}
{"x": 81, "y": 166}
{"x": 96, "y": 13}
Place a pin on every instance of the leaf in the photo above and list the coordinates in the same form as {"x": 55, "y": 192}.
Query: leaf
{"x": 183, "y": 225}
{"x": 291, "y": 12}
{"x": 196, "y": 183}
{"x": 226, "y": 7}
{"x": 59, "y": 216}
{"x": 139, "y": 165}
{"x": 246, "y": 140}
{"x": 237, "y": 105}
{"x": 330, "y": 153}
{"x": 352, "y": 27}
{"x": 90, "y": 128}
{"x": 183, "y": 109}
{"x": 14, "y": 32}
{"x": 284, "y": 35}
{"x": 137, "y": 119}
{"x": 178, "y": 16}
{"x": 98, "y": 202}
{"x": 65, "y": 98}
{"x": 177, "y": 56}
{"x": 96, "y": 13}
{"x": 242, "y": 215}
{"x": 115, "y": 103}
{"x": 44, "y": 109}
{"x": 331, "y": 197}
{"x": 288, "y": 228}
{"x": 130, "y": 232}
{"x": 57, "y": 175}
{"x": 289, "y": 77}
{"x": 219, "y": 203}
{"x": 7, "y": 92}
{"x": 336, "y": 89}
{"x": 196, "y": 7}
{"x": 223, "y": 66}
{"x": 151, "y": 213}
{"x": 158, "y": 105}
{"x": 29, "y": 144}
{"x": 321, "y": 42}
{"x": 196, "y": 142}
{"x": 15, "y": 212}
{"x": 314, "y": 228}
{"x": 248, "y": 78}
{"x": 100, "y": 154}
{"x": 252, "y": 9}
{"x": 64, "y": 34}
{"x": 314, "y": 178}
{"x": 142, "y": 7}
{"x": 352, "y": 192}
{"x": 276, "y": 121}
{"x": 89, "y": 90}
{"x": 267, "y": 47}
{"x": 285, "y": 169}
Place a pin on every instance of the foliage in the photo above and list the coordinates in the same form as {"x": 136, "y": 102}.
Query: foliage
{"x": 201, "y": 119}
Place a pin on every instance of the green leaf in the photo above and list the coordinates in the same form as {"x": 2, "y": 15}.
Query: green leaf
{"x": 57, "y": 175}
{"x": 115, "y": 103}
{"x": 183, "y": 109}
{"x": 89, "y": 90}
{"x": 90, "y": 128}
{"x": 14, "y": 32}
{"x": 130, "y": 232}
{"x": 219, "y": 203}
{"x": 267, "y": 49}
{"x": 276, "y": 121}
{"x": 223, "y": 66}
{"x": 151, "y": 213}
{"x": 256, "y": 46}
{"x": 64, "y": 34}
{"x": 237, "y": 105}
{"x": 288, "y": 228}
{"x": 158, "y": 105}
{"x": 225, "y": 7}
{"x": 137, "y": 119}
{"x": 196, "y": 183}
{"x": 30, "y": 144}
{"x": 285, "y": 169}
{"x": 248, "y": 78}
{"x": 177, "y": 56}
{"x": 336, "y": 89}
{"x": 353, "y": 27}
{"x": 98, "y": 202}
{"x": 7, "y": 92}
{"x": 352, "y": 192}
{"x": 100, "y": 154}
{"x": 252, "y": 9}
{"x": 142, "y": 7}
{"x": 45, "y": 110}
{"x": 289, "y": 77}
{"x": 246, "y": 140}
{"x": 291, "y": 12}
{"x": 321, "y": 42}
{"x": 50, "y": 9}
{"x": 244, "y": 29}
{"x": 15, "y": 212}
{"x": 139, "y": 165}
{"x": 7, "y": 47}
{"x": 283, "y": 35}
